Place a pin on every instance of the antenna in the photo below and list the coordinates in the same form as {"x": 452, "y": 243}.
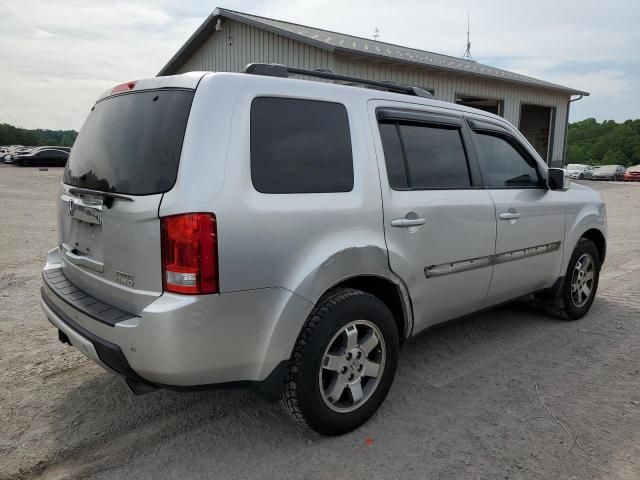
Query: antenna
{"x": 376, "y": 34}
{"x": 467, "y": 51}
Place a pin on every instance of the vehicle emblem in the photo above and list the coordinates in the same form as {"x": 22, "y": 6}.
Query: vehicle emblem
{"x": 125, "y": 279}
{"x": 71, "y": 206}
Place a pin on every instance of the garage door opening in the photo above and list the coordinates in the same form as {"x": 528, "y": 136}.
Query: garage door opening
{"x": 536, "y": 124}
{"x": 490, "y": 105}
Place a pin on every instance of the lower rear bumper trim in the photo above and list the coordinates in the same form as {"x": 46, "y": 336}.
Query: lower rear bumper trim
{"x": 108, "y": 353}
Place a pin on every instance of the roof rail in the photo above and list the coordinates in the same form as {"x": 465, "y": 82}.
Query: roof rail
{"x": 278, "y": 70}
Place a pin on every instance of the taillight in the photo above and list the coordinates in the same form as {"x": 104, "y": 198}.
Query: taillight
{"x": 190, "y": 253}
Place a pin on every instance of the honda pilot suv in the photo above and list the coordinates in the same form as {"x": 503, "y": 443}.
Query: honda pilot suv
{"x": 288, "y": 234}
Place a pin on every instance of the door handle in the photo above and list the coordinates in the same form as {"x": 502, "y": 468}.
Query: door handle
{"x": 509, "y": 216}
{"x": 408, "y": 222}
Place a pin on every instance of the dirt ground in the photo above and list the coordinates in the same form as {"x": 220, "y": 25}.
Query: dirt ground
{"x": 468, "y": 401}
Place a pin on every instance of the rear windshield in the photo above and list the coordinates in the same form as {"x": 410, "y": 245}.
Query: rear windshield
{"x": 131, "y": 143}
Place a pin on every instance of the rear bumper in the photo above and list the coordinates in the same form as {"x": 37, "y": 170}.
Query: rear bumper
{"x": 187, "y": 341}
{"x": 106, "y": 354}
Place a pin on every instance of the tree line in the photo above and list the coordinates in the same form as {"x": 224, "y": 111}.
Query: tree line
{"x": 588, "y": 141}
{"x": 10, "y": 135}
{"x": 606, "y": 143}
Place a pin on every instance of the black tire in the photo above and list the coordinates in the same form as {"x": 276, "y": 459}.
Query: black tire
{"x": 581, "y": 177}
{"x": 564, "y": 306}
{"x": 302, "y": 395}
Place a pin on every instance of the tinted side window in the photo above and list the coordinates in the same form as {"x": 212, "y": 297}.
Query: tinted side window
{"x": 502, "y": 165}
{"x": 435, "y": 157}
{"x": 393, "y": 156}
{"x": 300, "y": 146}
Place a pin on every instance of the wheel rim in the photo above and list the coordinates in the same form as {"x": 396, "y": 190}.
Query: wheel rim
{"x": 582, "y": 280}
{"x": 352, "y": 366}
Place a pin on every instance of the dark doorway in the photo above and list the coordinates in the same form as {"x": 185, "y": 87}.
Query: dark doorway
{"x": 536, "y": 124}
{"x": 490, "y": 105}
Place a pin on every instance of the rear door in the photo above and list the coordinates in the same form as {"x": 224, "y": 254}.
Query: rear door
{"x": 439, "y": 223}
{"x": 125, "y": 157}
{"x": 530, "y": 218}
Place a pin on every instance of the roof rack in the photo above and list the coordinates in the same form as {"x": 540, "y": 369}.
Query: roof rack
{"x": 278, "y": 70}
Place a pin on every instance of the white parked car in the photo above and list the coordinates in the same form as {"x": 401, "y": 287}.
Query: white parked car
{"x": 579, "y": 171}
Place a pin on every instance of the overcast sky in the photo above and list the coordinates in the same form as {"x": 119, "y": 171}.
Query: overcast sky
{"x": 56, "y": 57}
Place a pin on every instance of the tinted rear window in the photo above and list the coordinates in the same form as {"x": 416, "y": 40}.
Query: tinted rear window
{"x": 300, "y": 146}
{"x": 131, "y": 143}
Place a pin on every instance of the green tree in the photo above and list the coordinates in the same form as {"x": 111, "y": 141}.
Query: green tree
{"x": 609, "y": 142}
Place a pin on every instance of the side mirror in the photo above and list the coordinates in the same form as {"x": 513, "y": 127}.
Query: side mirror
{"x": 558, "y": 179}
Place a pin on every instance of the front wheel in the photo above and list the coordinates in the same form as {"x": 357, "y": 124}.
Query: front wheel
{"x": 581, "y": 177}
{"x": 580, "y": 283}
{"x": 343, "y": 363}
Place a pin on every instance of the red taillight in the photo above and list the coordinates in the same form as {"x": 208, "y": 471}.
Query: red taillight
{"x": 124, "y": 87}
{"x": 190, "y": 253}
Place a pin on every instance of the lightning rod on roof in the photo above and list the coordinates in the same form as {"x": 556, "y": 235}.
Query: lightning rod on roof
{"x": 376, "y": 34}
{"x": 467, "y": 51}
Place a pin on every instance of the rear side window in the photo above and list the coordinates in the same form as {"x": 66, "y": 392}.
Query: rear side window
{"x": 421, "y": 157}
{"x": 131, "y": 143}
{"x": 300, "y": 146}
{"x": 502, "y": 164}
{"x": 394, "y": 156}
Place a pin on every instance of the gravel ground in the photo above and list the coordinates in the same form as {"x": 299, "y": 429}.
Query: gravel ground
{"x": 468, "y": 401}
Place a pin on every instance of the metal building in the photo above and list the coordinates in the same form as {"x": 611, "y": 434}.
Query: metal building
{"x": 229, "y": 40}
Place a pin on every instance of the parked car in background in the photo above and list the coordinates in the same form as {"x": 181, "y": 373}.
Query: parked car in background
{"x": 15, "y": 150}
{"x": 608, "y": 172}
{"x": 42, "y": 156}
{"x": 579, "y": 171}
{"x": 632, "y": 174}
{"x": 337, "y": 222}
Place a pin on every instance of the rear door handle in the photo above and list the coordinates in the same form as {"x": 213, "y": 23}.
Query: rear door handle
{"x": 509, "y": 216}
{"x": 408, "y": 222}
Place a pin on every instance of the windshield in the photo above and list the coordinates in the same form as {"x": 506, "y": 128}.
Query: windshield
{"x": 131, "y": 143}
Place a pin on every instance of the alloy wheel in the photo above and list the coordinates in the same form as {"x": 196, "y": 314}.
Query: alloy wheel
{"x": 582, "y": 280}
{"x": 352, "y": 366}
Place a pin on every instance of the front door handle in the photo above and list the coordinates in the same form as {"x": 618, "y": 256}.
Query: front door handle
{"x": 509, "y": 215}
{"x": 408, "y": 222}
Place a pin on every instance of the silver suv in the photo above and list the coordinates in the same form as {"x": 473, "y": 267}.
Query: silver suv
{"x": 288, "y": 234}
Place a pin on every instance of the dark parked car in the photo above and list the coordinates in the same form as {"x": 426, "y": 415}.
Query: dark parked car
{"x": 608, "y": 172}
{"x": 43, "y": 156}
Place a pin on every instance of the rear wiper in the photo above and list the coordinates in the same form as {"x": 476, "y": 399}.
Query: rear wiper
{"x": 108, "y": 196}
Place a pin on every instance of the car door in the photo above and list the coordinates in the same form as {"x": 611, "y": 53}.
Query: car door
{"x": 439, "y": 223}
{"x": 588, "y": 172}
{"x": 530, "y": 218}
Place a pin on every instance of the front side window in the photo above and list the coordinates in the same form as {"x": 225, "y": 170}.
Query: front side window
{"x": 424, "y": 156}
{"x": 300, "y": 146}
{"x": 502, "y": 165}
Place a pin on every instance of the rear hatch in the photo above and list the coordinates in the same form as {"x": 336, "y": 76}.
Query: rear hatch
{"x": 125, "y": 158}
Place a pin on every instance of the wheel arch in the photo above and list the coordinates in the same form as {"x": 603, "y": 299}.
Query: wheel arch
{"x": 598, "y": 238}
{"x": 394, "y": 295}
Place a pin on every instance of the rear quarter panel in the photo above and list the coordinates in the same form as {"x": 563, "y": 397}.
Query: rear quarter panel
{"x": 303, "y": 243}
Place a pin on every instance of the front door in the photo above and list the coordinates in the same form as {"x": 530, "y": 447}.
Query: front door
{"x": 530, "y": 218}
{"x": 439, "y": 223}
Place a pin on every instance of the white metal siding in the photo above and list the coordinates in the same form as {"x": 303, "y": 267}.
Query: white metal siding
{"x": 239, "y": 44}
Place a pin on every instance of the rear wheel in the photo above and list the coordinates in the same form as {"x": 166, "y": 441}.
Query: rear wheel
{"x": 580, "y": 283}
{"x": 343, "y": 363}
